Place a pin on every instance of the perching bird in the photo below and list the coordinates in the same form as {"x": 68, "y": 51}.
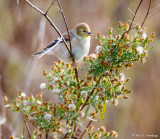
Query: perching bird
{"x": 80, "y": 41}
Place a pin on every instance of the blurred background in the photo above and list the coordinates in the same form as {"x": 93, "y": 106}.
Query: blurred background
{"x": 23, "y": 32}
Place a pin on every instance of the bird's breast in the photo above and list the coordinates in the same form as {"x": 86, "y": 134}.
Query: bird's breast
{"x": 80, "y": 48}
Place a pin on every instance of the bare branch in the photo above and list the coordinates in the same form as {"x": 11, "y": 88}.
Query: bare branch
{"x": 134, "y": 16}
{"x": 52, "y": 24}
{"x": 47, "y": 135}
{"x": 147, "y": 13}
{"x": 86, "y": 101}
{"x": 130, "y": 27}
{"x": 29, "y": 133}
{"x": 65, "y": 136}
{"x": 85, "y": 129}
{"x": 49, "y": 7}
{"x": 65, "y": 21}
{"x": 72, "y": 57}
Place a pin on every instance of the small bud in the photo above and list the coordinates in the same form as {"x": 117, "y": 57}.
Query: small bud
{"x": 59, "y": 69}
{"x": 39, "y": 96}
{"x": 118, "y": 37}
{"x": 12, "y": 137}
{"x": 110, "y": 30}
{"x": 85, "y": 58}
{"x": 89, "y": 77}
{"x": 125, "y": 96}
{"x": 127, "y": 80}
{"x": 110, "y": 89}
{"x": 119, "y": 24}
{"x": 107, "y": 133}
{"x": 60, "y": 131}
{"x": 116, "y": 56}
{"x": 51, "y": 86}
{"x": 153, "y": 35}
{"x": 114, "y": 134}
{"x": 44, "y": 72}
{"x": 5, "y": 100}
{"x": 115, "y": 102}
{"x": 31, "y": 97}
{"x": 100, "y": 106}
{"x": 103, "y": 129}
{"x": 35, "y": 132}
{"x": 96, "y": 135}
{"x": 67, "y": 66}
{"x": 91, "y": 127}
{"x": 59, "y": 62}
{"x": 98, "y": 35}
{"x": 93, "y": 114}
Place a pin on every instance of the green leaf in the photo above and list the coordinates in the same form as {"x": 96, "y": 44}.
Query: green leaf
{"x": 78, "y": 103}
{"x": 93, "y": 104}
{"x": 94, "y": 97}
{"x": 73, "y": 126}
{"x": 104, "y": 103}
{"x": 101, "y": 113}
{"x": 86, "y": 113}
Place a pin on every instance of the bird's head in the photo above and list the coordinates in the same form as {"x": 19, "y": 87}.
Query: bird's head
{"x": 83, "y": 30}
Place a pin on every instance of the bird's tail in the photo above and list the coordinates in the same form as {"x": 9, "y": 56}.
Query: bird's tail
{"x": 37, "y": 53}
{"x": 49, "y": 48}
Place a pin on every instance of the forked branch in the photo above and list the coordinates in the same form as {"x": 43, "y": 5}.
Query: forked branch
{"x": 134, "y": 15}
{"x": 52, "y": 24}
{"x": 56, "y": 29}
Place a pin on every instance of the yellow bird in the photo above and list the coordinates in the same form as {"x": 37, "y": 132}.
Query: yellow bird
{"x": 80, "y": 41}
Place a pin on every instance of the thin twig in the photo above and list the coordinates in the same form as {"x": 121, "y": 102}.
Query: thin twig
{"x": 49, "y": 7}
{"x": 155, "y": 8}
{"x": 154, "y": 14}
{"x": 65, "y": 136}
{"x": 147, "y": 13}
{"x": 46, "y": 135}
{"x": 29, "y": 133}
{"x": 72, "y": 57}
{"x": 131, "y": 11}
{"x": 132, "y": 20}
{"x": 134, "y": 16}
{"x": 65, "y": 21}
{"x": 90, "y": 95}
{"x": 85, "y": 129}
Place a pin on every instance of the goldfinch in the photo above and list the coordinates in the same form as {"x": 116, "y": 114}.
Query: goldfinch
{"x": 80, "y": 41}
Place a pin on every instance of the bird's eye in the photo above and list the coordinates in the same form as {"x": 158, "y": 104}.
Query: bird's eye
{"x": 84, "y": 31}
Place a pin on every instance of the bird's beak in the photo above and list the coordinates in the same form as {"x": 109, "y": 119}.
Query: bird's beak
{"x": 90, "y": 33}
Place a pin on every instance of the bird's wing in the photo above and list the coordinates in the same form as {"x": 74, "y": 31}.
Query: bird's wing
{"x": 49, "y": 48}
